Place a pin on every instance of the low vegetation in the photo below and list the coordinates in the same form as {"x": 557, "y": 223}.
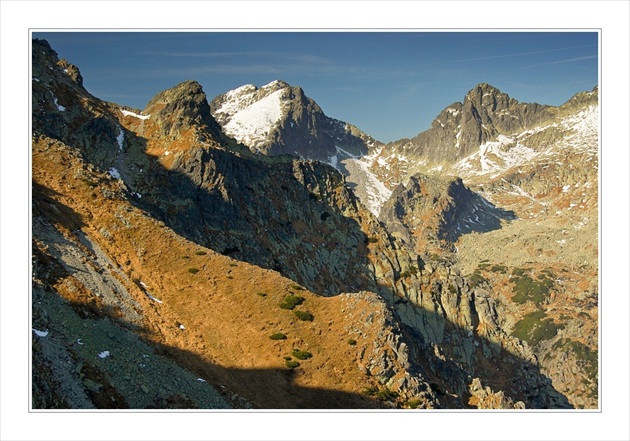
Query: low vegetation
{"x": 301, "y": 355}
{"x": 291, "y": 301}
{"x": 278, "y": 336}
{"x": 535, "y": 327}
{"x": 193, "y": 270}
{"x": 304, "y": 315}
{"x": 527, "y": 289}
{"x": 380, "y": 394}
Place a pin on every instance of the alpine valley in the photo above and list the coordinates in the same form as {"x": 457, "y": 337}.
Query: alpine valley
{"x": 249, "y": 252}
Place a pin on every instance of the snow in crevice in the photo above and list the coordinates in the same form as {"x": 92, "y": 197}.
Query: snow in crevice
{"x": 135, "y": 115}
{"x": 120, "y": 138}
{"x": 59, "y": 106}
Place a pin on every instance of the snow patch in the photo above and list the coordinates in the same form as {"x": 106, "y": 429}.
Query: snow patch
{"x": 40, "y": 333}
{"x": 114, "y": 173}
{"x": 104, "y": 354}
{"x": 253, "y": 124}
{"x": 153, "y": 298}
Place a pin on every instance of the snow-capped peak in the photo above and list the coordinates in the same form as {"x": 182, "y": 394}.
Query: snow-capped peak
{"x": 250, "y": 118}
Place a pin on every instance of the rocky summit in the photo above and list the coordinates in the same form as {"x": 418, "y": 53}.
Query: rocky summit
{"x": 248, "y": 252}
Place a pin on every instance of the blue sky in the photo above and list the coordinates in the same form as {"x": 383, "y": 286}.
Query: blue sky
{"x": 389, "y": 84}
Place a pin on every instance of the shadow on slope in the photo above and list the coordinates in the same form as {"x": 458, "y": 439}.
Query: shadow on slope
{"x": 288, "y": 215}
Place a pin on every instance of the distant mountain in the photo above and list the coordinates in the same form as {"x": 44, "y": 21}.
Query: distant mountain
{"x": 280, "y": 119}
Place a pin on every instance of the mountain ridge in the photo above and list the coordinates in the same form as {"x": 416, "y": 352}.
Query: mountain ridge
{"x": 207, "y": 224}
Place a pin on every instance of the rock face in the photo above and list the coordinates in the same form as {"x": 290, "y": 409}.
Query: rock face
{"x": 149, "y": 187}
{"x": 278, "y": 119}
{"x": 431, "y": 212}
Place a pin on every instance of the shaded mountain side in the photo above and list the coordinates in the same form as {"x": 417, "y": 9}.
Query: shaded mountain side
{"x": 123, "y": 270}
{"x": 174, "y": 210}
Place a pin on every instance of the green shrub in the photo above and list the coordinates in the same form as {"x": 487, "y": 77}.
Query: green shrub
{"x": 297, "y": 287}
{"x": 287, "y": 358}
{"x": 262, "y": 294}
{"x": 200, "y": 253}
{"x": 352, "y": 342}
{"x": 291, "y": 364}
{"x": 301, "y": 355}
{"x": 291, "y": 301}
{"x": 372, "y": 239}
{"x": 304, "y": 315}
{"x": 278, "y": 336}
{"x": 193, "y": 270}
{"x": 185, "y": 257}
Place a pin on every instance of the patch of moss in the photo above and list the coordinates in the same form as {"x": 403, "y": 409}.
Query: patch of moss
{"x": 200, "y": 253}
{"x": 193, "y": 270}
{"x": 527, "y": 289}
{"x": 278, "y": 336}
{"x": 534, "y": 328}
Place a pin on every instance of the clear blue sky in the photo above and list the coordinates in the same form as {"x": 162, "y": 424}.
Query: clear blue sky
{"x": 389, "y": 84}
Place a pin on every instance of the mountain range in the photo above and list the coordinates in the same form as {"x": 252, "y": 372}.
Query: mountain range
{"x": 248, "y": 251}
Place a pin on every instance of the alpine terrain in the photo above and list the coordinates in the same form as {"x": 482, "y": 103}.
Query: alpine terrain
{"x": 249, "y": 252}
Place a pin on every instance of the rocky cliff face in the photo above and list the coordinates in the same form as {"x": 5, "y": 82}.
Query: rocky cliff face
{"x": 208, "y": 237}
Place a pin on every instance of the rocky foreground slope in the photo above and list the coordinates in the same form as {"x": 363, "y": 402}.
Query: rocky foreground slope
{"x": 175, "y": 267}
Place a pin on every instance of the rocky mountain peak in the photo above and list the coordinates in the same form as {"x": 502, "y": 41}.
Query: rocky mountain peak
{"x": 181, "y": 108}
{"x": 278, "y": 118}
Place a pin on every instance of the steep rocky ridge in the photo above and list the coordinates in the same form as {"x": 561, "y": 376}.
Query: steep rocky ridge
{"x": 153, "y": 191}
